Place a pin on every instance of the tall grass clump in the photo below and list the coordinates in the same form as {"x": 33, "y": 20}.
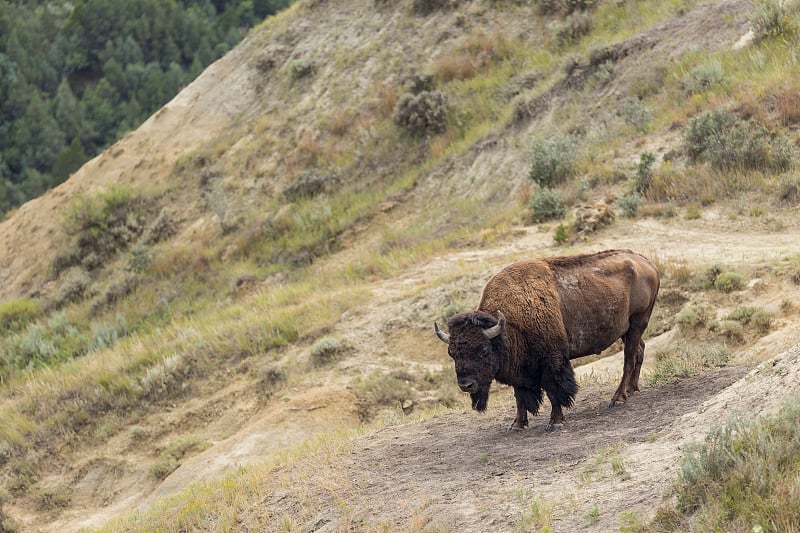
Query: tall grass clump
{"x": 742, "y": 478}
{"x": 17, "y": 313}
{"x": 553, "y": 160}
{"x": 729, "y": 143}
{"x": 686, "y": 360}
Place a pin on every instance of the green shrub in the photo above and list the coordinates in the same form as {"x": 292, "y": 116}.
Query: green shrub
{"x": 775, "y": 19}
{"x": 727, "y": 142}
{"x": 422, "y": 114}
{"x": 553, "y": 160}
{"x": 326, "y": 350}
{"x": 644, "y": 172}
{"x": 629, "y": 204}
{"x": 692, "y": 316}
{"x": 789, "y": 189}
{"x": 728, "y": 282}
{"x": 561, "y": 234}
{"x": 546, "y": 204}
{"x": 704, "y": 76}
{"x": 170, "y": 457}
{"x": 575, "y": 26}
{"x": 635, "y": 113}
{"x": 301, "y": 68}
{"x": 731, "y": 329}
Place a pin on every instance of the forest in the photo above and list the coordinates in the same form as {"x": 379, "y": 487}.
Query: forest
{"x": 75, "y": 76}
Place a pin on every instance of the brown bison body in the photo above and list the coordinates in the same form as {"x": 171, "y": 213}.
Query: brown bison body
{"x": 536, "y": 315}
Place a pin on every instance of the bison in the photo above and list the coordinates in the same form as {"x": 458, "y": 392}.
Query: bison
{"x": 536, "y": 315}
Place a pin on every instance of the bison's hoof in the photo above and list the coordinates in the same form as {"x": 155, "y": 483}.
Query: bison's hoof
{"x": 553, "y": 427}
{"x": 513, "y": 429}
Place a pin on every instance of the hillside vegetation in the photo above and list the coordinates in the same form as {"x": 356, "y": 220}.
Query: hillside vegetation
{"x": 259, "y": 264}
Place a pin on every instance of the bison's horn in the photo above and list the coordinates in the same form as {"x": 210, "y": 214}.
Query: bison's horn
{"x": 497, "y": 329}
{"x": 441, "y": 334}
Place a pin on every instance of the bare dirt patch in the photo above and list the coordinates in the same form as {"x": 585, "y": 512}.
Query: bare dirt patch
{"x": 463, "y": 471}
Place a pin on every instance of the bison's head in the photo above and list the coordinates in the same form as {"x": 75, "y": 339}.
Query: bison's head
{"x": 476, "y": 343}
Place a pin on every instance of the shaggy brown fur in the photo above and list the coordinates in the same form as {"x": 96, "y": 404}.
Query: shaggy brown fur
{"x": 555, "y": 309}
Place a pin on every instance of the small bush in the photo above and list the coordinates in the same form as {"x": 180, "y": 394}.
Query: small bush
{"x": 728, "y": 282}
{"x": 704, "y": 76}
{"x": 51, "y": 498}
{"x": 756, "y": 317}
{"x": 629, "y": 204}
{"x": 301, "y": 68}
{"x": 170, "y": 457}
{"x": 270, "y": 377}
{"x": 422, "y": 114}
{"x": 729, "y": 143}
{"x": 546, "y": 204}
{"x": 775, "y": 19}
{"x": 692, "y": 316}
{"x": 731, "y": 329}
{"x": 326, "y": 350}
{"x": 635, "y": 113}
{"x": 644, "y": 172}
{"x": 561, "y": 234}
{"x": 553, "y": 160}
{"x": 381, "y": 390}
{"x": 576, "y": 26}
{"x": 789, "y": 189}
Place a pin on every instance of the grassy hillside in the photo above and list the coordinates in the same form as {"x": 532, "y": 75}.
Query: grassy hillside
{"x": 277, "y": 240}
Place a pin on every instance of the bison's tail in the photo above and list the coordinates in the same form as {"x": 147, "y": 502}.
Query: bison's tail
{"x": 567, "y": 386}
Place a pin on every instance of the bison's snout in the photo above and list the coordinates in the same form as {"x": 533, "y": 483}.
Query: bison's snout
{"x": 468, "y": 385}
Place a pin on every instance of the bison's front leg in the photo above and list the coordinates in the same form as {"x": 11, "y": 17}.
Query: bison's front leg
{"x": 556, "y": 414}
{"x": 521, "y": 422}
{"x": 527, "y": 400}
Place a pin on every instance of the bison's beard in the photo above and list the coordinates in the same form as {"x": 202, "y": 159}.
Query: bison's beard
{"x": 480, "y": 399}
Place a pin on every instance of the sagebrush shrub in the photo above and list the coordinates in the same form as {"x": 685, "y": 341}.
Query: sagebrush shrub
{"x": 727, "y": 142}
{"x": 574, "y": 28}
{"x": 546, "y": 204}
{"x": 422, "y": 114}
{"x": 553, "y": 160}
{"x": 704, "y": 76}
{"x": 629, "y": 204}
{"x": 729, "y": 282}
{"x": 326, "y": 350}
{"x": 775, "y": 19}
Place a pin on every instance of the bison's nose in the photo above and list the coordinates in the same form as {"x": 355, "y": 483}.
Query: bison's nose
{"x": 468, "y": 385}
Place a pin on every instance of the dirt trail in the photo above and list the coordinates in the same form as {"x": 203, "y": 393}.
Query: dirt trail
{"x": 464, "y": 472}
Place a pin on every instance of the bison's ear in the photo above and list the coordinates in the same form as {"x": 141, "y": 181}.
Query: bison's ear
{"x": 441, "y": 334}
{"x": 497, "y": 329}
